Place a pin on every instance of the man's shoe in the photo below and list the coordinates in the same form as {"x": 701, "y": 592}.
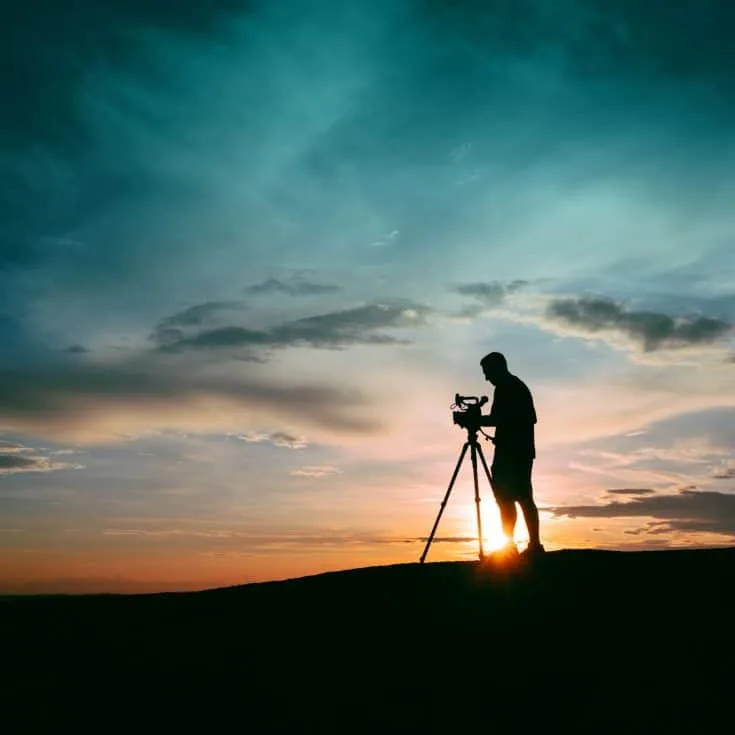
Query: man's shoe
{"x": 505, "y": 553}
{"x": 533, "y": 550}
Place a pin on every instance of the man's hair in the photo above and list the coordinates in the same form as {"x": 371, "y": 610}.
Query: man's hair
{"x": 495, "y": 361}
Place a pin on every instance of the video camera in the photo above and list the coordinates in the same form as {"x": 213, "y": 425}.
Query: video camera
{"x": 467, "y": 411}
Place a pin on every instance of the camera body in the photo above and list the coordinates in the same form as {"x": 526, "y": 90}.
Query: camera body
{"x": 468, "y": 411}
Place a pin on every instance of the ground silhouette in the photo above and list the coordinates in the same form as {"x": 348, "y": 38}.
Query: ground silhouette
{"x": 601, "y": 641}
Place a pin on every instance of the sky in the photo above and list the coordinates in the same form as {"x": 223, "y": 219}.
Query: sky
{"x": 250, "y": 251}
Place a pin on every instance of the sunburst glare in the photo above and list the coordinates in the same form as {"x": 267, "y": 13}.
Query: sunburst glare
{"x": 492, "y": 530}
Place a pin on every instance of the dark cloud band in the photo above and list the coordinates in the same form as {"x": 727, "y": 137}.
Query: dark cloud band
{"x": 688, "y": 510}
{"x": 358, "y": 325}
{"x": 653, "y": 330}
{"x": 77, "y": 398}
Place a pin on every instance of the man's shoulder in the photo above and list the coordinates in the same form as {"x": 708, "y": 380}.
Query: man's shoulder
{"x": 517, "y": 383}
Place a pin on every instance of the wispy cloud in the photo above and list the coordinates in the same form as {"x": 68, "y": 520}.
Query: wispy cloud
{"x": 7, "y": 447}
{"x": 694, "y": 460}
{"x": 316, "y": 471}
{"x": 685, "y": 452}
{"x": 278, "y": 438}
{"x": 725, "y": 473}
{"x": 293, "y": 287}
{"x": 390, "y": 238}
{"x": 15, "y": 458}
{"x": 631, "y": 491}
{"x": 445, "y": 539}
{"x": 248, "y": 541}
{"x": 631, "y": 399}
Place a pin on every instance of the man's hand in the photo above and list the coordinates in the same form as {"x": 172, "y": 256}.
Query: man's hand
{"x": 460, "y": 419}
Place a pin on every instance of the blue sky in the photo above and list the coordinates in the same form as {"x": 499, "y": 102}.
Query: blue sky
{"x": 249, "y": 253}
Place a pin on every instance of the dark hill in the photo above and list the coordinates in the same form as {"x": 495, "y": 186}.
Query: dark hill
{"x": 591, "y": 640}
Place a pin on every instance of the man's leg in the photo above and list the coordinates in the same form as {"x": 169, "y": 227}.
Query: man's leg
{"x": 530, "y": 516}
{"x": 508, "y": 518}
{"x": 529, "y": 509}
{"x": 502, "y": 483}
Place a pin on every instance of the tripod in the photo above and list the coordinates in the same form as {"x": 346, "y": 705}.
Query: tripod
{"x": 475, "y": 449}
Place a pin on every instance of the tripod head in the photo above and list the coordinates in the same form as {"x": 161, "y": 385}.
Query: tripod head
{"x": 467, "y": 413}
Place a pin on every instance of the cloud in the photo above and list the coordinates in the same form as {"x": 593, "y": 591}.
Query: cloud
{"x": 653, "y": 330}
{"x": 316, "y": 471}
{"x": 337, "y": 329}
{"x": 445, "y": 539}
{"x": 220, "y": 338}
{"x": 389, "y": 238}
{"x": 491, "y": 293}
{"x": 278, "y": 438}
{"x": 16, "y": 463}
{"x": 283, "y": 439}
{"x": 727, "y": 473}
{"x": 93, "y": 402}
{"x": 231, "y": 540}
{"x": 693, "y": 459}
{"x": 689, "y": 510}
{"x": 631, "y": 491}
{"x": 7, "y": 447}
{"x": 201, "y": 313}
{"x": 486, "y": 295}
{"x": 174, "y": 327}
{"x": 295, "y": 287}
{"x": 208, "y": 533}
{"x": 631, "y": 399}
{"x": 14, "y": 460}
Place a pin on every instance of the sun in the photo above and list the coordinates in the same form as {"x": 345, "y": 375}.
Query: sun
{"x": 492, "y": 531}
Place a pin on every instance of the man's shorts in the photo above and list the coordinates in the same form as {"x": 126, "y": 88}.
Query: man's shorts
{"x": 511, "y": 476}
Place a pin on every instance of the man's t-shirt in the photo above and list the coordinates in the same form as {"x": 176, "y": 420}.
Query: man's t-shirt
{"x": 513, "y": 415}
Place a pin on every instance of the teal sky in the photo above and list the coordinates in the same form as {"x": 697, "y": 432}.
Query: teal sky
{"x": 249, "y": 253}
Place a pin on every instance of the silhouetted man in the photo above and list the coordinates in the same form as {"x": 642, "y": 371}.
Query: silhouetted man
{"x": 513, "y": 415}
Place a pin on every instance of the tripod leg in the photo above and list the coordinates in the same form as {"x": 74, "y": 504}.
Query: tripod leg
{"x": 444, "y": 502}
{"x": 473, "y": 456}
{"x": 484, "y": 464}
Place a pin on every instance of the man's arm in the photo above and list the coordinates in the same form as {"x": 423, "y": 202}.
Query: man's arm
{"x": 491, "y": 419}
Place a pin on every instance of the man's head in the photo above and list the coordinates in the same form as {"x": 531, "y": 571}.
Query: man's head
{"x": 494, "y": 367}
